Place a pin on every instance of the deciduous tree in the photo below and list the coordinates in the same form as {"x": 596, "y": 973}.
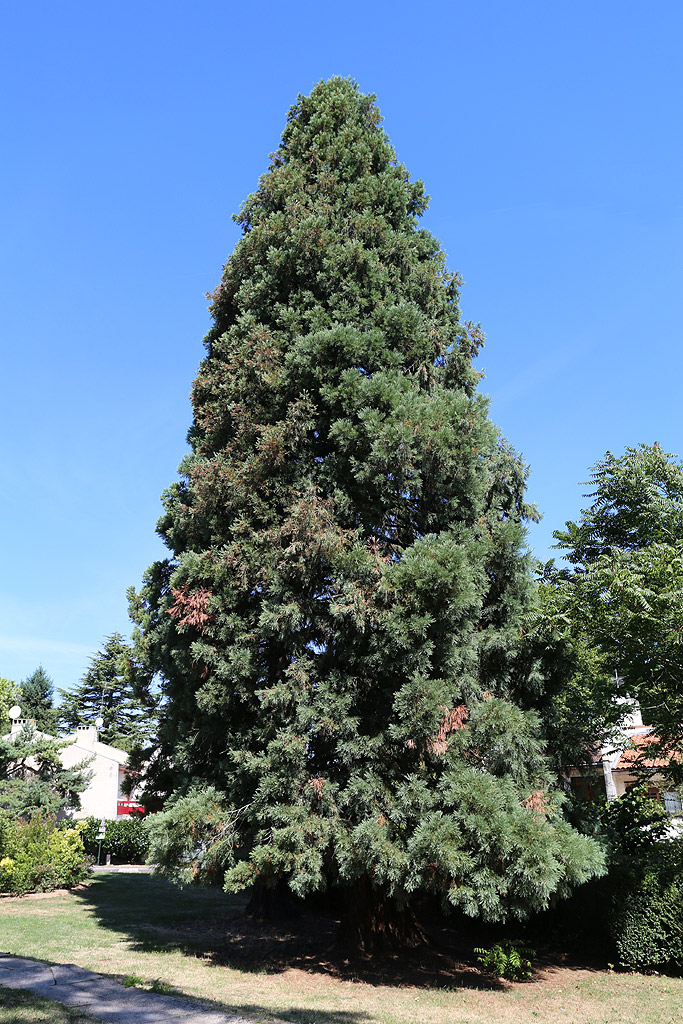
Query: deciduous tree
{"x": 9, "y": 695}
{"x": 624, "y": 592}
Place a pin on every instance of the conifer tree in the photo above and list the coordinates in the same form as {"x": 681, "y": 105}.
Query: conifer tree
{"x": 108, "y": 690}
{"x": 32, "y": 777}
{"x": 337, "y": 626}
{"x": 37, "y": 701}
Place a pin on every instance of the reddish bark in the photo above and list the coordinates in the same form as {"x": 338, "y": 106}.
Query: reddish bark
{"x": 374, "y": 922}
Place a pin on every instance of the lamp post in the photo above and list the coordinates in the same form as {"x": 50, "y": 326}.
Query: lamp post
{"x": 102, "y": 830}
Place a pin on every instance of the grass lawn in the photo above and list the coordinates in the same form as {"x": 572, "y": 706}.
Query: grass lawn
{"x": 24, "y": 1008}
{"x": 198, "y": 944}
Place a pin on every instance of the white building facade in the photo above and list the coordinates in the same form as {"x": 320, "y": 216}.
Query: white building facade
{"x": 105, "y": 796}
{"x": 625, "y": 760}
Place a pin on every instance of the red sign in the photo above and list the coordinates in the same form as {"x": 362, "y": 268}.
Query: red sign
{"x": 128, "y": 807}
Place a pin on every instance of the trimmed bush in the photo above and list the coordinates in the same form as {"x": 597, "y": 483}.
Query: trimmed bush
{"x": 125, "y": 840}
{"x": 36, "y": 856}
{"x": 647, "y": 920}
{"x": 645, "y": 890}
{"x": 634, "y": 915}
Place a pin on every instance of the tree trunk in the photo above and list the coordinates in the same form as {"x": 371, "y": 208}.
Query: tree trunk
{"x": 274, "y": 902}
{"x": 373, "y": 922}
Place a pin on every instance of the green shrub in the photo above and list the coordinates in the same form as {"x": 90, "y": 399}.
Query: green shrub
{"x": 647, "y": 920}
{"x": 635, "y": 826}
{"x": 125, "y": 840}
{"x": 507, "y": 959}
{"x": 36, "y": 856}
{"x": 634, "y": 915}
{"x": 645, "y": 885}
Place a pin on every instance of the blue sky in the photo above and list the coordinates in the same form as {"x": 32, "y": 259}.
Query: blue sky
{"x": 547, "y": 134}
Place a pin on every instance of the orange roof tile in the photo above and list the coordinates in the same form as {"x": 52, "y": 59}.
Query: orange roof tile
{"x": 636, "y": 753}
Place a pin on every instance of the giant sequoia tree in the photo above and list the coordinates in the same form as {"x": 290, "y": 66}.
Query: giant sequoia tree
{"x": 337, "y": 625}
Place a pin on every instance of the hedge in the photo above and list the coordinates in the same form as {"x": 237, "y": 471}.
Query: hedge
{"x": 646, "y": 919}
{"x": 125, "y": 840}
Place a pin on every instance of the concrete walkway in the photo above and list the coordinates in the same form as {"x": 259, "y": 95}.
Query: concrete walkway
{"x": 122, "y": 869}
{"x": 102, "y": 998}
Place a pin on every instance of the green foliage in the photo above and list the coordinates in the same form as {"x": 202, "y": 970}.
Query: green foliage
{"x": 133, "y": 981}
{"x": 33, "y": 778}
{"x": 36, "y": 699}
{"x": 647, "y": 919}
{"x": 337, "y": 628}
{"x": 638, "y": 907}
{"x": 35, "y": 856}
{"x": 637, "y": 826}
{"x": 9, "y": 695}
{"x": 576, "y": 700}
{"x": 625, "y": 594}
{"x": 114, "y": 689}
{"x": 191, "y": 841}
{"x": 637, "y": 501}
{"x": 507, "y": 959}
{"x": 125, "y": 840}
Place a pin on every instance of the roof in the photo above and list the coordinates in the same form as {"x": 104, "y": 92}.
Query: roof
{"x": 99, "y": 749}
{"x": 635, "y": 754}
{"x": 19, "y": 724}
{"x": 83, "y": 739}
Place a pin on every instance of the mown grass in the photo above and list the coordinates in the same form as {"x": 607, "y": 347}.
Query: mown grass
{"x": 197, "y": 943}
{"x": 25, "y": 1008}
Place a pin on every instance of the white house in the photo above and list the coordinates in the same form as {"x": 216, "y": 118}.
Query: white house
{"x": 613, "y": 769}
{"x": 104, "y": 796}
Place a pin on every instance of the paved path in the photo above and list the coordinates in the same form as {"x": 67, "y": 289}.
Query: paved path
{"x": 102, "y": 998}
{"x": 122, "y": 869}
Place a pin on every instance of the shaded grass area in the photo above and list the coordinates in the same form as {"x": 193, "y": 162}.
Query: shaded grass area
{"x": 25, "y": 1008}
{"x": 200, "y": 944}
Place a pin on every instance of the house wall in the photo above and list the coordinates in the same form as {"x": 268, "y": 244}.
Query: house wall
{"x": 107, "y": 767}
{"x": 100, "y": 798}
{"x": 658, "y": 787}
{"x": 589, "y": 784}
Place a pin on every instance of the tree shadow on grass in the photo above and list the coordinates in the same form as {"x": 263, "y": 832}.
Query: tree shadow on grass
{"x": 295, "y": 1015}
{"x": 160, "y": 917}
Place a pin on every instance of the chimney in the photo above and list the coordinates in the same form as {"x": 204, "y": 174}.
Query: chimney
{"x": 86, "y": 736}
{"x": 19, "y": 723}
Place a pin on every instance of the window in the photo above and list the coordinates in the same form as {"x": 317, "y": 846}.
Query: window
{"x": 583, "y": 788}
{"x": 672, "y": 803}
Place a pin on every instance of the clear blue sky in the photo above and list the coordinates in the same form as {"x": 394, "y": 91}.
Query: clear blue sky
{"x": 548, "y": 136}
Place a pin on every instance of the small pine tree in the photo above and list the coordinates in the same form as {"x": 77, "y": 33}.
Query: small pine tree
{"x": 108, "y": 690}
{"x": 37, "y": 701}
{"x": 337, "y": 628}
{"x": 32, "y": 777}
